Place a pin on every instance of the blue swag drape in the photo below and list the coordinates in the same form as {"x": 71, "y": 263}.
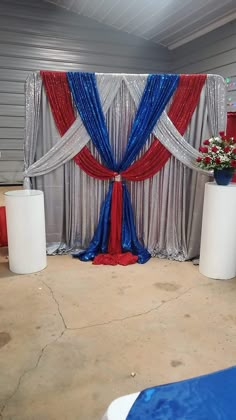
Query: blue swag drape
{"x": 157, "y": 92}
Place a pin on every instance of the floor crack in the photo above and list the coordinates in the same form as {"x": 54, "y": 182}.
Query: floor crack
{"x": 155, "y": 308}
{"x": 41, "y": 352}
{"x": 27, "y": 371}
{"x": 57, "y": 303}
{"x": 66, "y": 328}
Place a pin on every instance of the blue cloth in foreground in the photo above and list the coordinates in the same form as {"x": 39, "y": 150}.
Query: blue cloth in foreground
{"x": 208, "y": 397}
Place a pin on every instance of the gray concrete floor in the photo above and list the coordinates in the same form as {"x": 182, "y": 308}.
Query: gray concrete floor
{"x": 71, "y": 335}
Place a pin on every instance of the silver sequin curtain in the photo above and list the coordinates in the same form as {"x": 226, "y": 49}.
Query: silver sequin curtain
{"x": 167, "y": 208}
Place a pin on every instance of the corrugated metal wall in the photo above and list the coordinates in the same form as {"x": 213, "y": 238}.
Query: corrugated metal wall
{"x": 211, "y": 53}
{"x": 36, "y": 35}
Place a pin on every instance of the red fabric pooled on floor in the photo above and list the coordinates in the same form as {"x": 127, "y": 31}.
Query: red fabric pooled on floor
{"x": 125, "y": 258}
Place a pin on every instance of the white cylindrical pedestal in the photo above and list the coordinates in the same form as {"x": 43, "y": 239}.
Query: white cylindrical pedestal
{"x": 26, "y": 231}
{"x": 218, "y": 240}
{"x": 119, "y": 408}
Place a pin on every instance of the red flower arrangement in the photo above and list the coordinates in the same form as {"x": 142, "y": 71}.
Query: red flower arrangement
{"x": 218, "y": 153}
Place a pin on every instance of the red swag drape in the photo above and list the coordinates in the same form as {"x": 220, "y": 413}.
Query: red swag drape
{"x": 59, "y": 97}
{"x": 181, "y": 110}
{"x": 185, "y": 100}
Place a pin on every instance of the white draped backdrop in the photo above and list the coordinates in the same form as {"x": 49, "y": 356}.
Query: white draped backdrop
{"x": 167, "y": 207}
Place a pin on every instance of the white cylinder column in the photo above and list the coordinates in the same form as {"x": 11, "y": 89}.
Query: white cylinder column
{"x": 26, "y": 231}
{"x": 218, "y": 240}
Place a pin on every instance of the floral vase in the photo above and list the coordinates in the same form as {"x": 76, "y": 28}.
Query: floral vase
{"x": 223, "y": 176}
